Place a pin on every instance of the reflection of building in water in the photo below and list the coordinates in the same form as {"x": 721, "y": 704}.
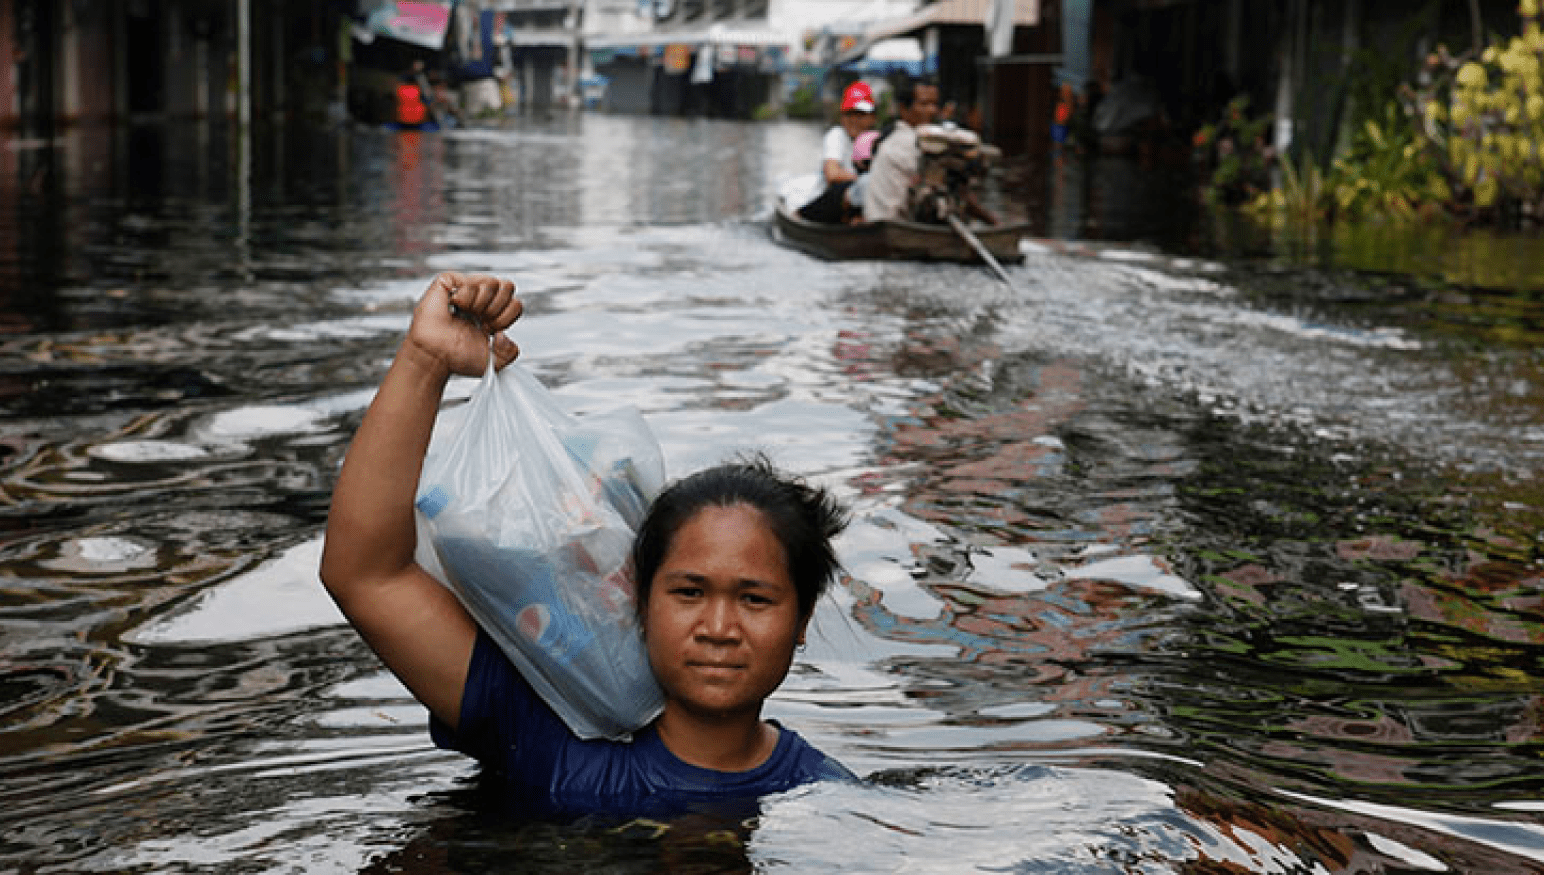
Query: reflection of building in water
{"x": 737, "y": 167}
{"x": 1354, "y": 838}
{"x": 417, "y": 203}
{"x": 1019, "y": 473}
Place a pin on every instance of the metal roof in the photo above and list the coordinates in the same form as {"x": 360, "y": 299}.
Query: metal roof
{"x": 958, "y": 12}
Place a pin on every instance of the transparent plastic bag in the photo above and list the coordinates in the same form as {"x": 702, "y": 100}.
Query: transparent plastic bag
{"x": 528, "y": 515}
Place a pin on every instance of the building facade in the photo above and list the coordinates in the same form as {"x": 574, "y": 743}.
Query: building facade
{"x": 72, "y": 61}
{"x": 717, "y": 58}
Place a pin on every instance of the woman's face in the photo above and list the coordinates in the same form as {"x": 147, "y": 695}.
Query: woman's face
{"x": 722, "y": 619}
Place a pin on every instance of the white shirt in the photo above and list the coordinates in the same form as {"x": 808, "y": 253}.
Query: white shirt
{"x": 837, "y": 146}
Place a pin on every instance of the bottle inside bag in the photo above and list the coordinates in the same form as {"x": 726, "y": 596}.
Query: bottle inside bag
{"x": 539, "y": 554}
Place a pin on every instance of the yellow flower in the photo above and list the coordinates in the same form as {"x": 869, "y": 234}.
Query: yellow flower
{"x": 1528, "y": 7}
{"x": 1471, "y": 75}
{"x": 1511, "y": 58}
{"x": 1520, "y": 61}
{"x": 1485, "y": 191}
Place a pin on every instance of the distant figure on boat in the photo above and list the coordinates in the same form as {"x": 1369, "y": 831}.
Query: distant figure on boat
{"x": 836, "y": 168}
{"x": 413, "y": 98}
{"x": 895, "y": 163}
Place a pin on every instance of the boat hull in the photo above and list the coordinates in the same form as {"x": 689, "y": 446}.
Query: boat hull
{"x": 894, "y": 240}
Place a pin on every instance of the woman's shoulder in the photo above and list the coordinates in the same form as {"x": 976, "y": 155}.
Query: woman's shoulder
{"x": 803, "y": 762}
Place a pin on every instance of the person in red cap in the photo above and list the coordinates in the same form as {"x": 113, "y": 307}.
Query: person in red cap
{"x": 836, "y": 168}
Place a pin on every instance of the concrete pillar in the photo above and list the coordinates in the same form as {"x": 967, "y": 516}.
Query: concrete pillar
{"x": 541, "y": 95}
{"x": 1287, "y": 73}
{"x": 1232, "y": 38}
{"x": 10, "y": 99}
{"x": 528, "y": 84}
{"x": 69, "y": 102}
{"x": 278, "y": 100}
{"x": 201, "y": 104}
{"x": 89, "y": 59}
{"x": 120, "y": 77}
{"x": 244, "y": 63}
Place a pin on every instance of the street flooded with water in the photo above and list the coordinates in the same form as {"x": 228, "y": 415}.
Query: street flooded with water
{"x": 1175, "y": 555}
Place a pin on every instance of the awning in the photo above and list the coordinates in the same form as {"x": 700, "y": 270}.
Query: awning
{"x": 712, "y": 36}
{"x": 897, "y": 55}
{"x": 419, "y": 22}
{"x": 946, "y": 12}
{"x": 548, "y": 38}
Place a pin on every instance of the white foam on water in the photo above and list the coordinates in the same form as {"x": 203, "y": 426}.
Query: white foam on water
{"x": 147, "y": 452}
{"x": 1138, "y": 572}
{"x": 102, "y": 555}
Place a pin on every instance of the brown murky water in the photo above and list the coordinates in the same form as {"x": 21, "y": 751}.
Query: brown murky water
{"x": 1178, "y": 562}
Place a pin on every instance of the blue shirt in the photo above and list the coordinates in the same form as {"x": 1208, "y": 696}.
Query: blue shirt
{"x": 546, "y": 769}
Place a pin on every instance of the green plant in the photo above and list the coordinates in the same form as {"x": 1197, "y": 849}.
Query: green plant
{"x": 804, "y": 103}
{"x": 1237, "y": 152}
{"x": 1305, "y": 191}
{"x": 1303, "y": 198}
{"x": 1387, "y": 171}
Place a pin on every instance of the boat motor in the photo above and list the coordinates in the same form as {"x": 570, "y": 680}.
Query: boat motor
{"x": 952, "y": 158}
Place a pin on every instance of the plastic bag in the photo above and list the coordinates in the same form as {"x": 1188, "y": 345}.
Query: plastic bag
{"x": 528, "y": 515}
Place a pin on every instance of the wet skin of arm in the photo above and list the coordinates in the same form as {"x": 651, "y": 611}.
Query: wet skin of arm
{"x": 414, "y": 624}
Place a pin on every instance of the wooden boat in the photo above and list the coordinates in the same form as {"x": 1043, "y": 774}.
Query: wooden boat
{"x": 895, "y": 240}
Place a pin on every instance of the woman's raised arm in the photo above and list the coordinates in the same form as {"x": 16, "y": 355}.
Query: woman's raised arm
{"x": 414, "y": 624}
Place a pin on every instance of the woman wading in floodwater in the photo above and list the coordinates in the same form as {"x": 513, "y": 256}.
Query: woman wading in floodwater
{"x": 728, "y": 563}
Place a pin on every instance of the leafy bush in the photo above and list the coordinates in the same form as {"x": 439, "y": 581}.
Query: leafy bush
{"x": 804, "y": 103}
{"x": 1387, "y": 170}
{"x": 1237, "y": 151}
{"x": 1486, "y": 119}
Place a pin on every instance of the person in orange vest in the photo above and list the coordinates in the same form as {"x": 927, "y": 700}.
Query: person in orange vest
{"x": 1066, "y": 107}
{"x": 412, "y": 101}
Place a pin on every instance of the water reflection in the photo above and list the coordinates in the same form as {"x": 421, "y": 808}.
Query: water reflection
{"x": 1158, "y": 563}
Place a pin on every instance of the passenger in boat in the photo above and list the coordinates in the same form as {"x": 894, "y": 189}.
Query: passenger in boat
{"x": 729, "y": 563}
{"x": 836, "y": 169}
{"x": 895, "y": 162}
{"x": 413, "y": 98}
{"x": 887, "y": 193}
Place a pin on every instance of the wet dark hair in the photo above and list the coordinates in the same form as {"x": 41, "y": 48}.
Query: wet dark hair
{"x": 803, "y": 518}
{"x": 906, "y": 90}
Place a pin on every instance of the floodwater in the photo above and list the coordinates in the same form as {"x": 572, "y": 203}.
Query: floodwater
{"x": 1174, "y": 556}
